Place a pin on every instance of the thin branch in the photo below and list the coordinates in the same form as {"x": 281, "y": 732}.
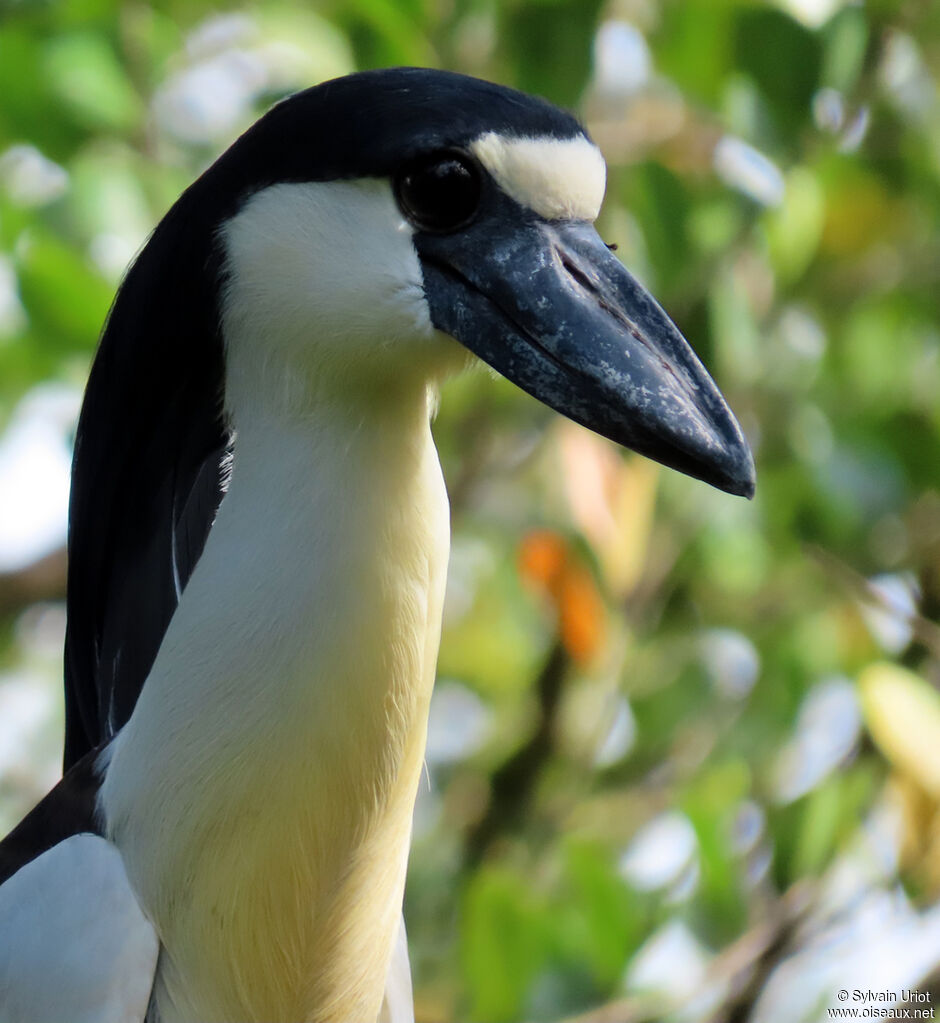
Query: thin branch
{"x": 925, "y": 631}
{"x": 513, "y": 783}
{"x": 41, "y": 580}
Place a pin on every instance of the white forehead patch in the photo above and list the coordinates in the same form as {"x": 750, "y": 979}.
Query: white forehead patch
{"x": 561, "y": 179}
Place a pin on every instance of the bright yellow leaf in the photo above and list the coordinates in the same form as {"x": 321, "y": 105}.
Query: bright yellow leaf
{"x": 902, "y": 712}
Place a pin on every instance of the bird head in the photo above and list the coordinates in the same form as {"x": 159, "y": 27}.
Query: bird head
{"x": 386, "y": 215}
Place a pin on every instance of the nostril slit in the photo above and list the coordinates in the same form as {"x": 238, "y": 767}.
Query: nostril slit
{"x": 578, "y": 274}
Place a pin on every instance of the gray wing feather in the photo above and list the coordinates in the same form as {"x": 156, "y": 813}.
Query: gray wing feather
{"x": 74, "y": 944}
{"x": 398, "y": 1006}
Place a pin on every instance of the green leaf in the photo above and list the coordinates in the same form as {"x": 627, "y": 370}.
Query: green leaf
{"x": 548, "y": 46}
{"x": 505, "y": 943}
{"x": 710, "y": 803}
{"x": 694, "y": 46}
{"x": 66, "y": 300}
{"x": 846, "y": 38}
{"x": 784, "y": 59}
{"x": 30, "y": 110}
{"x": 603, "y": 919}
{"x": 794, "y": 229}
{"x": 660, "y": 202}
{"x": 88, "y": 78}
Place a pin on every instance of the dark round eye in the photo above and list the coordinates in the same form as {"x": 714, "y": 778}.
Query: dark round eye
{"x": 439, "y": 193}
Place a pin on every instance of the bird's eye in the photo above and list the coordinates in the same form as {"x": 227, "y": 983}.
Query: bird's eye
{"x": 439, "y": 193}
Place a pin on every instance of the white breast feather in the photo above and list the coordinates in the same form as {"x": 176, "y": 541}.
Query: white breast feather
{"x": 277, "y": 744}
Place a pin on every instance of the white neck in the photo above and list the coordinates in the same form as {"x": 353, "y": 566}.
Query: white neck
{"x": 261, "y": 793}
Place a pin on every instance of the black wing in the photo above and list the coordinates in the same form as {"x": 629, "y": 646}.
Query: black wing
{"x": 69, "y": 809}
{"x": 147, "y": 475}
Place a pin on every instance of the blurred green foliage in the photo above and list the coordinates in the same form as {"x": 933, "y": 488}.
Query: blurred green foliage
{"x": 806, "y": 272}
